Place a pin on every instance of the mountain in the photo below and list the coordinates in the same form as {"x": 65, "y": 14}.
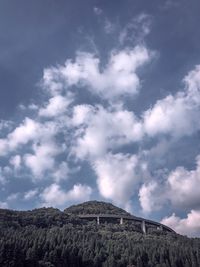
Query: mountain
{"x": 95, "y": 207}
{"x": 50, "y": 237}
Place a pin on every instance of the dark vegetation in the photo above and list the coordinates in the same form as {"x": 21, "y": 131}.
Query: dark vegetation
{"x": 49, "y": 237}
{"x": 95, "y": 207}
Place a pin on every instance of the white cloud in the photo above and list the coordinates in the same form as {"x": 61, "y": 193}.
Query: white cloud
{"x": 4, "y": 125}
{"x": 183, "y": 186}
{"x": 81, "y": 114}
{"x": 43, "y": 158}
{"x": 13, "y": 197}
{"x": 187, "y": 226}
{"x": 57, "y": 106}
{"x": 55, "y": 196}
{"x": 22, "y": 134}
{"x": 33, "y": 106}
{"x": 16, "y": 161}
{"x": 117, "y": 79}
{"x": 96, "y": 132}
{"x": 79, "y": 193}
{"x": 176, "y": 115}
{"x": 192, "y": 81}
{"x": 41, "y": 139}
{"x": 52, "y": 81}
{"x": 172, "y": 115}
{"x": 61, "y": 172}
{"x": 25, "y": 132}
{"x": 148, "y": 198}
{"x": 30, "y": 194}
{"x": 104, "y": 129}
{"x": 180, "y": 188}
{"x": 117, "y": 177}
{"x": 3, "y": 205}
{"x": 3, "y": 147}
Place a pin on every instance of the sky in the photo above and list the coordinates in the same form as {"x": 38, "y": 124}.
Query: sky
{"x": 101, "y": 100}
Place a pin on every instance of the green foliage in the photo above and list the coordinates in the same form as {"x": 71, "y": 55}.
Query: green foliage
{"x": 49, "y": 237}
{"x": 95, "y": 207}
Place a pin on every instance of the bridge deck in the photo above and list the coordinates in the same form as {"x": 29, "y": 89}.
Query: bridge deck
{"x": 124, "y": 217}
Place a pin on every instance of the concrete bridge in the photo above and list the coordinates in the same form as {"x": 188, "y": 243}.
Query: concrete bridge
{"x": 121, "y": 218}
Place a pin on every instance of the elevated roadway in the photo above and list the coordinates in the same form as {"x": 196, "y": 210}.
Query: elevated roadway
{"x": 122, "y": 218}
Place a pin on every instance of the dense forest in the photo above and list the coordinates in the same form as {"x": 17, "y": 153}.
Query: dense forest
{"x": 49, "y": 237}
{"x": 95, "y": 207}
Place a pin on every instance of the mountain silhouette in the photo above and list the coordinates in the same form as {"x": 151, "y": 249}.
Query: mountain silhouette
{"x": 93, "y": 233}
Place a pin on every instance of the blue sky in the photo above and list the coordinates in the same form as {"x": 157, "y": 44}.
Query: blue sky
{"x": 101, "y": 100}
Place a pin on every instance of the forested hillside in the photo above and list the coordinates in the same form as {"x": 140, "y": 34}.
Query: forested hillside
{"x": 95, "y": 207}
{"x": 49, "y": 237}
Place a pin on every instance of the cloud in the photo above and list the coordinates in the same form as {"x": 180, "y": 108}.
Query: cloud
{"x": 180, "y": 188}
{"x": 117, "y": 177}
{"x": 3, "y": 205}
{"x": 109, "y": 27}
{"x": 62, "y": 172}
{"x": 82, "y": 114}
{"x": 98, "y": 11}
{"x": 52, "y": 81}
{"x": 136, "y": 30}
{"x": 101, "y": 129}
{"x": 13, "y": 197}
{"x": 30, "y": 194}
{"x": 192, "y": 81}
{"x": 55, "y": 196}
{"x": 4, "y": 125}
{"x": 22, "y": 134}
{"x": 97, "y": 130}
{"x": 43, "y": 158}
{"x": 116, "y": 79}
{"x": 172, "y": 115}
{"x": 187, "y": 226}
{"x": 184, "y": 190}
{"x": 33, "y": 106}
{"x": 35, "y": 144}
{"x": 2, "y": 176}
{"x": 16, "y": 161}
{"x": 57, "y": 105}
{"x": 65, "y": 131}
{"x": 169, "y": 4}
{"x": 176, "y": 115}
{"x": 148, "y": 197}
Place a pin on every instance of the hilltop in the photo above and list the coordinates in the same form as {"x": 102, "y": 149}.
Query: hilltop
{"x": 95, "y": 207}
{"x": 50, "y": 237}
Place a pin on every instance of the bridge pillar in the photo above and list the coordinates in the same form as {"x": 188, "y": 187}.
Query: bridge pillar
{"x": 143, "y": 226}
{"x": 121, "y": 220}
{"x": 98, "y": 220}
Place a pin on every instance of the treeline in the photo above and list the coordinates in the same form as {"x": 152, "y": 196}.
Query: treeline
{"x": 95, "y": 207}
{"x": 44, "y": 217}
{"x": 49, "y": 237}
